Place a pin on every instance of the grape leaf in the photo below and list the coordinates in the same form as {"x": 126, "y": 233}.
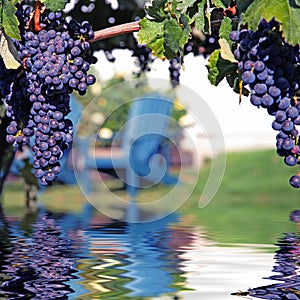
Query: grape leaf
{"x": 55, "y": 5}
{"x": 176, "y": 36}
{"x": 8, "y": 52}
{"x": 225, "y": 29}
{"x": 156, "y": 10}
{"x": 226, "y": 52}
{"x": 288, "y": 15}
{"x": 218, "y": 3}
{"x": 9, "y": 20}
{"x": 219, "y": 68}
{"x": 152, "y": 34}
{"x": 185, "y": 5}
{"x": 201, "y": 22}
{"x": 166, "y": 39}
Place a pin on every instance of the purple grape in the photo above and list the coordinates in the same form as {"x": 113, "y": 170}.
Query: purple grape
{"x": 295, "y": 181}
{"x": 288, "y": 144}
{"x": 267, "y": 100}
{"x": 290, "y": 160}
{"x": 259, "y": 66}
{"x": 260, "y": 88}
{"x": 274, "y": 91}
{"x": 288, "y": 126}
{"x": 255, "y": 100}
{"x": 248, "y": 77}
{"x": 292, "y": 112}
{"x": 280, "y": 116}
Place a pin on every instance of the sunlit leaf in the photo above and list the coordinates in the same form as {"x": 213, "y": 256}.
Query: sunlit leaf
{"x": 226, "y": 52}
{"x": 9, "y": 20}
{"x": 152, "y": 34}
{"x": 55, "y": 5}
{"x": 288, "y": 15}
{"x": 156, "y": 10}
{"x": 8, "y": 52}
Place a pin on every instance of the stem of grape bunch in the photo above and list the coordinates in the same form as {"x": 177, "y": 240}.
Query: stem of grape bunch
{"x": 115, "y": 31}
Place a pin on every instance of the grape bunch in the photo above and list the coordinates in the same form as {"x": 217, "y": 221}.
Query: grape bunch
{"x": 174, "y": 70}
{"x": 55, "y": 56}
{"x": 270, "y": 67}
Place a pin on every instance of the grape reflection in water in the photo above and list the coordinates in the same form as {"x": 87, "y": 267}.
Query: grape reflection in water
{"x": 287, "y": 268}
{"x": 36, "y": 260}
{"x": 69, "y": 256}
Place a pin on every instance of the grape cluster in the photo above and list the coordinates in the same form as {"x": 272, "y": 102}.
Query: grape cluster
{"x": 56, "y": 59}
{"x": 270, "y": 67}
{"x": 174, "y": 70}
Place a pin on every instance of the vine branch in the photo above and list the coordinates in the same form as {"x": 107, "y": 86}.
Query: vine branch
{"x": 115, "y": 31}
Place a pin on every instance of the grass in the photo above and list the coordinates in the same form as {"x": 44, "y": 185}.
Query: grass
{"x": 252, "y": 205}
{"x": 254, "y": 201}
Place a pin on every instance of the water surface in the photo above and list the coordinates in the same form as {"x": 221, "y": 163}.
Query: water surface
{"x": 46, "y": 255}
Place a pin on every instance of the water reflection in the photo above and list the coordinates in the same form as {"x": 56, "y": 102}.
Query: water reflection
{"x": 47, "y": 255}
{"x": 287, "y": 269}
{"x": 78, "y": 256}
{"x": 35, "y": 262}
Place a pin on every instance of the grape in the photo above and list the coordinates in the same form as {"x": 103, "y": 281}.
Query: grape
{"x": 267, "y": 100}
{"x": 288, "y": 144}
{"x": 295, "y": 181}
{"x": 288, "y": 126}
{"x": 235, "y": 36}
{"x": 174, "y": 70}
{"x": 37, "y": 99}
{"x": 271, "y": 69}
{"x": 292, "y": 112}
{"x": 259, "y": 66}
{"x": 255, "y": 100}
{"x": 280, "y": 116}
{"x": 260, "y": 88}
{"x": 248, "y": 77}
{"x": 262, "y": 75}
{"x": 290, "y": 160}
{"x": 274, "y": 91}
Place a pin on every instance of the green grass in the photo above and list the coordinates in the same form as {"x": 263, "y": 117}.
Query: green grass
{"x": 252, "y": 205}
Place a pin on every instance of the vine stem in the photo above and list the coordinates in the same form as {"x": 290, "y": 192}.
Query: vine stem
{"x": 115, "y": 31}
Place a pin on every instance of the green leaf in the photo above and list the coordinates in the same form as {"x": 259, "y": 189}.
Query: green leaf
{"x": 287, "y": 15}
{"x": 9, "y": 20}
{"x": 185, "y": 5}
{"x": 176, "y": 36}
{"x": 152, "y": 34}
{"x": 55, "y": 5}
{"x": 218, "y": 3}
{"x": 165, "y": 39}
{"x": 219, "y": 68}
{"x": 8, "y": 52}
{"x": 201, "y": 22}
{"x": 225, "y": 29}
{"x": 157, "y": 10}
